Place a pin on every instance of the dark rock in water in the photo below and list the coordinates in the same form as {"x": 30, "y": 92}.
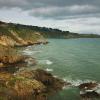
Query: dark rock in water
{"x": 90, "y": 85}
{"x": 91, "y": 94}
{"x": 48, "y": 80}
{"x": 90, "y": 90}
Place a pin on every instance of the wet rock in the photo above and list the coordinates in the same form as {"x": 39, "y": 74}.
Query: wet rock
{"x": 89, "y": 85}
{"x": 90, "y": 90}
{"x": 91, "y": 94}
{"x": 30, "y": 61}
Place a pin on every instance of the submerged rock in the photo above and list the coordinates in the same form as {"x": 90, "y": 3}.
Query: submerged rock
{"x": 89, "y": 85}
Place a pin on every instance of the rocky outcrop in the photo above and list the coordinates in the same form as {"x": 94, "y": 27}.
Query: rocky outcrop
{"x": 90, "y": 90}
{"x": 17, "y": 41}
{"x": 10, "y": 58}
{"x": 7, "y": 41}
{"x": 19, "y": 88}
{"x": 53, "y": 84}
{"x": 12, "y": 37}
{"x": 28, "y": 85}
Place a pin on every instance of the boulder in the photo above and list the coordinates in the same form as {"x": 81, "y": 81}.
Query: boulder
{"x": 90, "y": 90}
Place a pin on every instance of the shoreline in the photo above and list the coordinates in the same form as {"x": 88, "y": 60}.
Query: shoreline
{"x": 35, "y": 84}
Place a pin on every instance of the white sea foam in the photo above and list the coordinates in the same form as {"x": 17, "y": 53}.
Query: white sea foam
{"x": 98, "y": 91}
{"x": 27, "y": 51}
{"x": 49, "y": 70}
{"x": 77, "y": 82}
{"x": 48, "y": 62}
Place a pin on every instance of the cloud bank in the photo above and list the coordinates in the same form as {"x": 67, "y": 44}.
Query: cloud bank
{"x": 55, "y": 8}
{"x": 60, "y": 10}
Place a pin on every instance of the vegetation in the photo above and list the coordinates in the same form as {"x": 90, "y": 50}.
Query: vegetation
{"x": 28, "y": 32}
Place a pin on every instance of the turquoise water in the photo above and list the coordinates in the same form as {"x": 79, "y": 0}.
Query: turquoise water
{"x": 74, "y": 60}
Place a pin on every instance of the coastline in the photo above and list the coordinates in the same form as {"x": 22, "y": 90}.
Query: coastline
{"x": 34, "y": 84}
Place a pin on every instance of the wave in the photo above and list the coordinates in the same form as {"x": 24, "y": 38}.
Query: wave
{"x": 48, "y": 62}
{"x": 78, "y": 81}
{"x": 27, "y": 51}
{"x": 49, "y": 70}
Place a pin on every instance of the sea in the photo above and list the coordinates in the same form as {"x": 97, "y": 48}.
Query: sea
{"x": 73, "y": 60}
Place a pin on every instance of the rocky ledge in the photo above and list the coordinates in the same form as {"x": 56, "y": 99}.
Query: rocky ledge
{"x": 89, "y": 90}
{"x": 28, "y": 85}
{"x": 9, "y": 57}
{"x": 19, "y": 42}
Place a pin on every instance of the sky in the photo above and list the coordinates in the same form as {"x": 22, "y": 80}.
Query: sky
{"x": 82, "y": 16}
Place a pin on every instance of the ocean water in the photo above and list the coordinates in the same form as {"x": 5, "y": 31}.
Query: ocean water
{"x": 74, "y": 60}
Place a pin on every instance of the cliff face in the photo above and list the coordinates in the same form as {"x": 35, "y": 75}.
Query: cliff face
{"x": 16, "y": 35}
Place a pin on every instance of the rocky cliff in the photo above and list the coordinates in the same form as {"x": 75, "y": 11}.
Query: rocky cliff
{"x": 27, "y": 34}
{"x": 26, "y": 84}
{"x": 16, "y": 35}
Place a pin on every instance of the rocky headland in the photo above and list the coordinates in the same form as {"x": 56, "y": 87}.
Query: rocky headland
{"x": 30, "y": 84}
{"x": 17, "y": 84}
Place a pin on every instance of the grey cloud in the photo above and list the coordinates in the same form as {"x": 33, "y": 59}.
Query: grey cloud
{"x": 65, "y": 12}
{"x": 37, "y": 3}
{"x": 56, "y": 9}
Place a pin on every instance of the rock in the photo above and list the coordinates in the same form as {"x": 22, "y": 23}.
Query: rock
{"x": 30, "y": 61}
{"x": 53, "y": 84}
{"x": 29, "y": 85}
{"x": 89, "y": 85}
{"x": 91, "y": 94}
{"x": 1, "y": 65}
{"x": 89, "y": 90}
{"x": 10, "y": 58}
{"x": 7, "y": 41}
{"x": 5, "y": 76}
{"x": 25, "y": 87}
{"x": 20, "y": 87}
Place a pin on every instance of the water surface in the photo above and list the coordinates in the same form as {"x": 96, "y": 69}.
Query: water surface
{"x": 74, "y": 60}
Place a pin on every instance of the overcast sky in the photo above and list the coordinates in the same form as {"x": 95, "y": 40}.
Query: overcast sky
{"x": 74, "y": 15}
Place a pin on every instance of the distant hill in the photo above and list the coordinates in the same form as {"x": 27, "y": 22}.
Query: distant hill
{"x": 28, "y": 34}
